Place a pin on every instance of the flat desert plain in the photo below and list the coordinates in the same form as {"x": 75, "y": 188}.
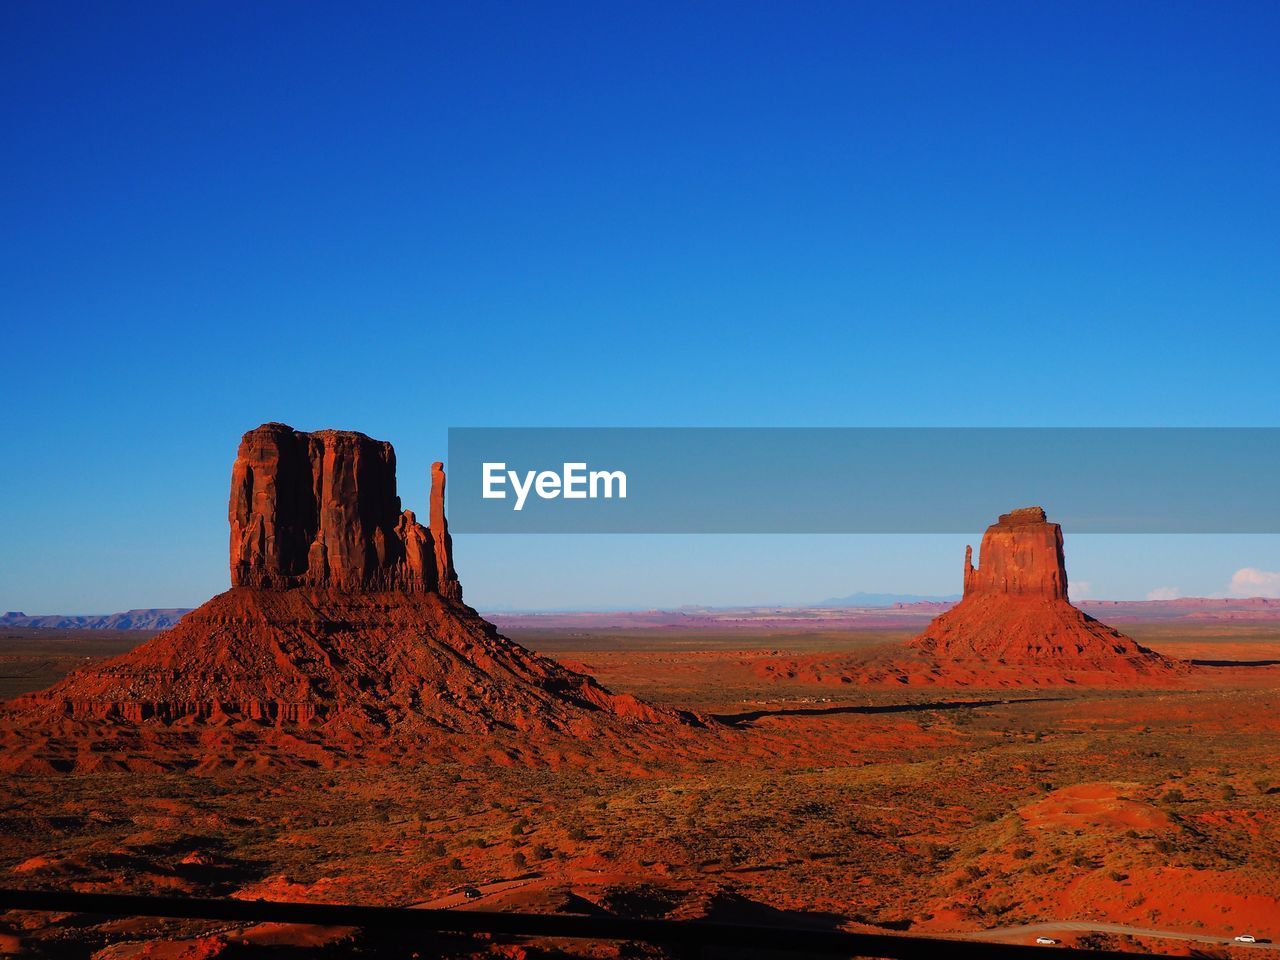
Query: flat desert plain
{"x": 1145, "y": 818}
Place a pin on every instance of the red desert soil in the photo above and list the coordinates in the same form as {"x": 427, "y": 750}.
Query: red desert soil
{"x": 862, "y": 807}
{"x": 339, "y": 726}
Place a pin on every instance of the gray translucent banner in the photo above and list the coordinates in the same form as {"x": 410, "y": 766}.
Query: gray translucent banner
{"x": 861, "y": 480}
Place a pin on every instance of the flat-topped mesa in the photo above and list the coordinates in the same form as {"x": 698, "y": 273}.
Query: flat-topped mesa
{"x": 320, "y": 510}
{"x": 1015, "y": 611}
{"x": 1021, "y": 556}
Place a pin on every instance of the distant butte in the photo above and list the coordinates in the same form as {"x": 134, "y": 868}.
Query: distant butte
{"x": 1016, "y": 610}
{"x": 1015, "y": 626}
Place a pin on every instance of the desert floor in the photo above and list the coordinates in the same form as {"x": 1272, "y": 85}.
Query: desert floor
{"x": 1145, "y": 819}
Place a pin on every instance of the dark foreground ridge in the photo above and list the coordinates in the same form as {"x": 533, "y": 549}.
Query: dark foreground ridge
{"x": 681, "y": 933}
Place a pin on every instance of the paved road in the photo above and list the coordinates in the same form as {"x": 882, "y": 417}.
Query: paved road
{"x": 1085, "y": 926}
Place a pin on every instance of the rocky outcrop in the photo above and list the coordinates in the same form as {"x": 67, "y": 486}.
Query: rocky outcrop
{"x": 442, "y": 544}
{"x": 363, "y": 663}
{"x": 1021, "y": 556}
{"x": 321, "y": 510}
{"x": 343, "y": 634}
{"x": 1016, "y": 610}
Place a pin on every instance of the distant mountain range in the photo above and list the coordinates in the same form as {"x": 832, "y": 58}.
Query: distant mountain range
{"x": 860, "y": 609}
{"x": 883, "y": 600}
{"x": 151, "y": 619}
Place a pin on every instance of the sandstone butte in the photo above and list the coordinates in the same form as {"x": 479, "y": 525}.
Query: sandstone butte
{"x": 1014, "y": 627}
{"x": 1016, "y": 610}
{"x": 344, "y": 629}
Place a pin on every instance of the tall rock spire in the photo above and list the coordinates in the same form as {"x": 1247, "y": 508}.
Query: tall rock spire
{"x": 447, "y": 578}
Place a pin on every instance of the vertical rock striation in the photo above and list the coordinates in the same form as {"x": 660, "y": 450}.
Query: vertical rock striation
{"x": 446, "y": 577}
{"x": 321, "y": 510}
{"x": 1021, "y": 556}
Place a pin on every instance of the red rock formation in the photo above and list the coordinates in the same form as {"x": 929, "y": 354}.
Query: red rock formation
{"x": 1016, "y": 610}
{"x": 320, "y": 510}
{"x": 446, "y": 578}
{"x": 1021, "y": 556}
{"x": 356, "y": 661}
{"x": 344, "y": 624}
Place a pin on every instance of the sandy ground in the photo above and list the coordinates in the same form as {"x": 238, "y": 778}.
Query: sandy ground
{"x": 1147, "y": 819}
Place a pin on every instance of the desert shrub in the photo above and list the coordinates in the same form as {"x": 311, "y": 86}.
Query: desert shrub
{"x": 999, "y": 905}
{"x": 1022, "y": 853}
{"x": 1117, "y": 876}
{"x": 1165, "y": 846}
{"x": 519, "y": 860}
{"x": 541, "y": 851}
{"x": 1173, "y": 796}
{"x": 577, "y": 833}
{"x": 437, "y": 849}
{"x": 1228, "y": 792}
{"x": 518, "y": 828}
{"x": 455, "y": 864}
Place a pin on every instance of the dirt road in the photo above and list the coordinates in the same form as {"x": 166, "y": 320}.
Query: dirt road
{"x": 1031, "y": 930}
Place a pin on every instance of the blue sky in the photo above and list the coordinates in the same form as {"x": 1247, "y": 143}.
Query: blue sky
{"x": 616, "y": 214}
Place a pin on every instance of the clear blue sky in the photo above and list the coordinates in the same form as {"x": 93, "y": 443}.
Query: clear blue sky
{"x": 615, "y": 214}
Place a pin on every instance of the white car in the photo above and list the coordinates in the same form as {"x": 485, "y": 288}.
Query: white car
{"x": 1246, "y": 938}
{"x": 1046, "y": 941}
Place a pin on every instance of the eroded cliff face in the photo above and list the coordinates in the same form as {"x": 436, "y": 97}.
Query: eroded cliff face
{"x": 321, "y": 510}
{"x": 1021, "y": 556}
